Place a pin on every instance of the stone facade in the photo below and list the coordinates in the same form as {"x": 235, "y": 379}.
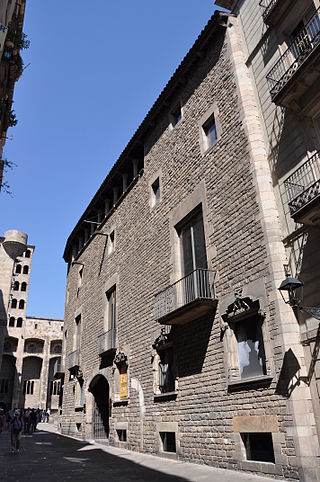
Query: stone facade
{"x": 135, "y": 313}
{"x": 30, "y": 346}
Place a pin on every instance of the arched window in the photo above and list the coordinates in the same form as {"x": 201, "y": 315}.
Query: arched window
{"x": 24, "y": 286}
{"x": 21, "y": 304}
{"x": 11, "y": 320}
{"x": 25, "y": 269}
{"x": 16, "y": 286}
{"x": 19, "y": 322}
{"x": 57, "y": 349}
{"x": 14, "y": 303}
{"x": 27, "y": 253}
{"x": 18, "y": 268}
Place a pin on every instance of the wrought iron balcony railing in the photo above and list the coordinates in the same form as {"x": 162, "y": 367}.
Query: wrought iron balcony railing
{"x": 73, "y": 359}
{"x": 303, "y": 186}
{"x": 268, "y": 6}
{"x": 173, "y": 302}
{"x": 107, "y": 341}
{"x": 296, "y": 54}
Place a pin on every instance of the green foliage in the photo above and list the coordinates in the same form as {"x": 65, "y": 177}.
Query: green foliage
{"x": 19, "y": 39}
{"x": 13, "y": 121}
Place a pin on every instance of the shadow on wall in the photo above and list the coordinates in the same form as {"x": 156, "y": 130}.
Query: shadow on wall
{"x": 289, "y": 374}
{"x": 192, "y": 342}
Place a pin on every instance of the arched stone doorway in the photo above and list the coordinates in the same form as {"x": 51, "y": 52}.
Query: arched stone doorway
{"x": 99, "y": 387}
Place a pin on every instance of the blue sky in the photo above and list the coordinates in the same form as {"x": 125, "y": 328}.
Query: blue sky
{"x": 95, "y": 70}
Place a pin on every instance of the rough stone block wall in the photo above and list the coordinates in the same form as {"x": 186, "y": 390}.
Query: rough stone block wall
{"x": 144, "y": 262}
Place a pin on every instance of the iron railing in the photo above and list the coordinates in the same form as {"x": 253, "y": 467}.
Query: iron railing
{"x": 196, "y": 285}
{"x": 295, "y": 55}
{"x": 73, "y": 359}
{"x": 107, "y": 341}
{"x": 304, "y": 184}
{"x": 268, "y": 6}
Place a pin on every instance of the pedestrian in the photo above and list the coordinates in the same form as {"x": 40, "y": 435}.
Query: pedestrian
{"x": 48, "y": 414}
{"x": 16, "y": 431}
{"x": 2, "y": 419}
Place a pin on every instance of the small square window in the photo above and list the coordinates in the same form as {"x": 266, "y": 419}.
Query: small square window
{"x": 155, "y": 192}
{"x": 259, "y": 446}
{"x": 210, "y": 132}
{"x": 176, "y": 115}
{"x": 168, "y": 440}
{"x": 122, "y": 435}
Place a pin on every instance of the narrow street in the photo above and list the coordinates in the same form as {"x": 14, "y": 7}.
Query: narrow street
{"x": 47, "y": 456}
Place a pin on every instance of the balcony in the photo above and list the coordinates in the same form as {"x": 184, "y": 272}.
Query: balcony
{"x": 58, "y": 369}
{"x": 73, "y": 360}
{"x": 188, "y": 299}
{"x": 274, "y": 10}
{"x": 107, "y": 341}
{"x": 294, "y": 79}
{"x": 303, "y": 192}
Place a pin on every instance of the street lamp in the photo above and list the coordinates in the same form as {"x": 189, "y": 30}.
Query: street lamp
{"x": 288, "y": 289}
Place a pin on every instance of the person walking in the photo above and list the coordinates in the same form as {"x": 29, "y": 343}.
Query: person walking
{"x": 2, "y": 419}
{"x": 15, "y": 432}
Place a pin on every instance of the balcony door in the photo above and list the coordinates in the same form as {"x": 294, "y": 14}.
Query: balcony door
{"x": 193, "y": 256}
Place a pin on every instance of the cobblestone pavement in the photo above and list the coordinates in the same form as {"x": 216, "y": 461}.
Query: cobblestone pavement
{"x": 47, "y": 456}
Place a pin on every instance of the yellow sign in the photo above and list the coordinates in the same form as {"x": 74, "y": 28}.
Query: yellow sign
{"x": 123, "y": 386}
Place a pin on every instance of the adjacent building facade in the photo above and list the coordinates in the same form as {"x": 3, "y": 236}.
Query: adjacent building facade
{"x": 177, "y": 340}
{"x": 30, "y": 347}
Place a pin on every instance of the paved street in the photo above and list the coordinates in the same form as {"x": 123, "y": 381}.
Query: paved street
{"x": 47, "y": 456}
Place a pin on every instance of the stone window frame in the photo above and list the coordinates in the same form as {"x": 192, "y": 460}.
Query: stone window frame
{"x": 153, "y": 202}
{"x": 212, "y": 111}
{"x": 112, "y": 282}
{"x": 156, "y": 373}
{"x": 187, "y": 205}
{"x": 167, "y": 427}
{"x": 77, "y": 316}
{"x": 254, "y": 290}
{"x": 172, "y": 119}
{"x": 258, "y": 424}
{"x": 121, "y": 426}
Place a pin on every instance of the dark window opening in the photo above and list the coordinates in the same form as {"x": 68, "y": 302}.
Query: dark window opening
{"x": 111, "y": 309}
{"x": 16, "y": 286}
{"x": 28, "y": 253}
{"x": 21, "y": 304}
{"x": 19, "y": 322}
{"x": 168, "y": 441}
{"x": 11, "y": 321}
{"x": 18, "y": 268}
{"x": 176, "y": 116}
{"x": 24, "y": 286}
{"x": 4, "y": 385}
{"x": 193, "y": 244}
{"x": 122, "y": 435}
{"x": 14, "y": 303}
{"x": 25, "y": 269}
{"x": 155, "y": 187}
{"x": 28, "y": 387}
{"x": 210, "y": 132}
{"x": 259, "y": 446}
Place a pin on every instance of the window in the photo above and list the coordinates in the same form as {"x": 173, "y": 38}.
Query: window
{"x": 77, "y": 333}
{"x": 36, "y": 326}
{"x": 258, "y": 446}
{"x": 168, "y": 440}
{"x": 122, "y": 435}
{"x": 210, "y": 132}
{"x": 24, "y": 286}
{"x": 21, "y": 304}
{"x": 166, "y": 377}
{"x": 61, "y": 328}
{"x": 18, "y": 268}
{"x": 57, "y": 349}
{"x": 19, "y": 322}
{"x": 28, "y": 387}
{"x": 250, "y": 348}
{"x": 16, "y": 286}
{"x": 14, "y": 303}
{"x": 176, "y": 115}
{"x": 26, "y": 269}
{"x": 4, "y": 385}
{"x": 111, "y": 309}
{"x": 11, "y": 320}
{"x": 111, "y": 242}
{"x": 192, "y": 242}
{"x": 27, "y": 254}
{"x": 155, "y": 192}
{"x": 55, "y": 387}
